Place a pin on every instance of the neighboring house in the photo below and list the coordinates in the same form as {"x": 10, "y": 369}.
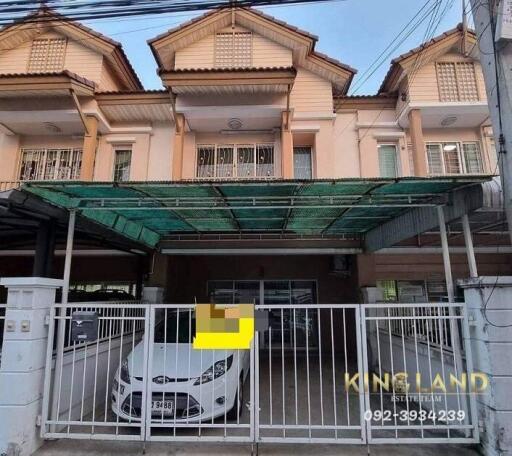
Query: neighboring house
{"x": 251, "y": 110}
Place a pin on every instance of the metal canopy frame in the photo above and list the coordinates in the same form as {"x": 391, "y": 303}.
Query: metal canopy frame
{"x": 150, "y": 212}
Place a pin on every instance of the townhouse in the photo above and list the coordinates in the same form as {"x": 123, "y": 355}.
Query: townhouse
{"x": 252, "y": 176}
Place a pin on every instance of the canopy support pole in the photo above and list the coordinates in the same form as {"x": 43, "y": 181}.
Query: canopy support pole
{"x": 446, "y": 255}
{"x": 470, "y": 250}
{"x": 62, "y": 322}
{"x": 454, "y": 336}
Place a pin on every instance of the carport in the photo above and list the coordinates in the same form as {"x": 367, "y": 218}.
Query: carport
{"x": 296, "y": 378}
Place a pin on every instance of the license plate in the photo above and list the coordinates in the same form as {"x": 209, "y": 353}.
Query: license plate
{"x": 167, "y": 407}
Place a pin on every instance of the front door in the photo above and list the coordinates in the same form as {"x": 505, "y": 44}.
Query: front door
{"x": 279, "y": 293}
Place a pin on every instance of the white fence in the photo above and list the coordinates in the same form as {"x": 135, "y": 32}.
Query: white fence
{"x": 318, "y": 373}
{"x": 3, "y": 308}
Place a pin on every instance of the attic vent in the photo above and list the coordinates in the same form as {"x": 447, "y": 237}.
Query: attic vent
{"x": 233, "y": 50}
{"x": 47, "y": 55}
{"x": 457, "y": 81}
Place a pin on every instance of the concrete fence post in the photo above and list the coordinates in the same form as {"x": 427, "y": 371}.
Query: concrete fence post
{"x": 23, "y": 362}
{"x": 489, "y": 303}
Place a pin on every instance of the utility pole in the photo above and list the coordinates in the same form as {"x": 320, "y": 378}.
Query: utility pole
{"x": 493, "y": 23}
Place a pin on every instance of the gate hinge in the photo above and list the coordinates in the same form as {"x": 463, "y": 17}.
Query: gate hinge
{"x": 47, "y": 320}
{"x": 39, "y": 420}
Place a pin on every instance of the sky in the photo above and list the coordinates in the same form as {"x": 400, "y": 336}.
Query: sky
{"x": 353, "y": 31}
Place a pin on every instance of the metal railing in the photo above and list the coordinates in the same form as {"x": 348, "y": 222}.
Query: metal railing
{"x": 418, "y": 377}
{"x": 308, "y": 378}
{"x": 9, "y": 185}
{"x": 3, "y": 309}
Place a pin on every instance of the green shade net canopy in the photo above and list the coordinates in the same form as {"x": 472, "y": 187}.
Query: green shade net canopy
{"x": 148, "y": 212}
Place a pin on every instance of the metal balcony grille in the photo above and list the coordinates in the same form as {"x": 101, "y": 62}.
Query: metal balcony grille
{"x": 50, "y": 164}
{"x": 218, "y": 161}
{"x": 47, "y": 55}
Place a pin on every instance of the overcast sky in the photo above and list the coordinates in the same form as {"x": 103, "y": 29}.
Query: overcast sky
{"x": 353, "y": 31}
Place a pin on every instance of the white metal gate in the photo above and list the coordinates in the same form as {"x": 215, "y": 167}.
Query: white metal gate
{"x": 319, "y": 373}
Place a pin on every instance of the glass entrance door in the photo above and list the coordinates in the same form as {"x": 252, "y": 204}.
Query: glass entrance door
{"x": 289, "y": 325}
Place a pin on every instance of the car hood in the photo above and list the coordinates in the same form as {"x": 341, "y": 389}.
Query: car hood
{"x": 173, "y": 360}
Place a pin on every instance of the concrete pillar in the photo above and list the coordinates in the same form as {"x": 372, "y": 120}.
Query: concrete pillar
{"x": 177, "y": 153}
{"x": 286, "y": 148}
{"x": 89, "y": 149}
{"x": 153, "y": 295}
{"x": 418, "y": 143}
{"x": 23, "y": 362}
{"x": 488, "y": 300}
{"x": 45, "y": 246}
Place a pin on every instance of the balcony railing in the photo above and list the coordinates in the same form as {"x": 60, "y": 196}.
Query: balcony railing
{"x": 4, "y": 186}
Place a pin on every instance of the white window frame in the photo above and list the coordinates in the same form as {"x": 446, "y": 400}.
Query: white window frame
{"x": 460, "y": 155}
{"x": 235, "y": 164}
{"x": 116, "y": 150}
{"x": 397, "y": 157}
{"x": 72, "y": 165}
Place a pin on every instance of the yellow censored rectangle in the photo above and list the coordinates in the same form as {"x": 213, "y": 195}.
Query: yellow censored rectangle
{"x": 224, "y": 328}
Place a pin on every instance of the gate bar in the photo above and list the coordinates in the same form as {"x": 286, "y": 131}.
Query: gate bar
{"x": 62, "y": 324}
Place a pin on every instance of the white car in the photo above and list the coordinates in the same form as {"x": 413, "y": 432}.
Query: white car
{"x": 187, "y": 385}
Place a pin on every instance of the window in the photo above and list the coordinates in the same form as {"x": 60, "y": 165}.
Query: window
{"x": 454, "y": 158}
{"x": 47, "y": 55}
{"x": 233, "y": 50}
{"x": 122, "y": 165}
{"x": 472, "y": 158}
{"x": 302, "y": 164}
{"x": 225, "y": 161}
{"x": 388, "y": 163}
{"x": 457, "y": 81}
{"x": 50, "y": 164}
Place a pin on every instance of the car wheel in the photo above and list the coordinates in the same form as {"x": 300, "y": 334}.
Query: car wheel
{"x": 237, "y": 409}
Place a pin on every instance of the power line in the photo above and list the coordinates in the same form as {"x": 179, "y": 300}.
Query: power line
{"x": 86, "y": 10}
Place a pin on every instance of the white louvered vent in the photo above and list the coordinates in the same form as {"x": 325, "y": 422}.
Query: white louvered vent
{"x": 47, "y": 55}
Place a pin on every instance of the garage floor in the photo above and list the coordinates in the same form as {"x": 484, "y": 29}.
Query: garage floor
{"x": 88, "y": 448}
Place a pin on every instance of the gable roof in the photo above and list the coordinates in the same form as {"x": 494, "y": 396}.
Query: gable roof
{"x": 24, "y": 29}
{"x": 301, "y": 42}
{"x": 442, "y": 41}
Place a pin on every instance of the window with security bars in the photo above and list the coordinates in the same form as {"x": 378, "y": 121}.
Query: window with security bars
{"x": 225, "y": 161}
{"x": 454, "y": 158}
{"x": 50, "y": 164}
{"x": 233, "y": 50}
{"x": 47, "y": 55}
{"x": 457, "y": 81}
{"x": 122, "y": 165}
{"x": 388, "y": 160}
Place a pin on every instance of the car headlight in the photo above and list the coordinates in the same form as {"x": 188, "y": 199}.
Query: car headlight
{"x": 215, "y": 371}
{"x": 125, "y": 372}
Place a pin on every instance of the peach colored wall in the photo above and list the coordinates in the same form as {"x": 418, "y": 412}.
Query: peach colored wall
{"x": 265, "y": 53}
{"x": 345, "y": 143}
{"x": 423, "y": 86}
{"x": 145, "y": 157}
{"x": 79, "y": 59}
{"x": 9, "y": 152}
{"x": 311, "y": 93}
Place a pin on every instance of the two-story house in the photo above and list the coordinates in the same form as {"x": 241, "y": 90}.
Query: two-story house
{"x": 253, "y": 175}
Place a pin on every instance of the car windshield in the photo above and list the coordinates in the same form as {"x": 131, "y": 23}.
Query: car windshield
{"x": 184, "y": 327}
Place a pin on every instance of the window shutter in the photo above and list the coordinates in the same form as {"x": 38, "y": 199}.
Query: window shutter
{"x": 387, "y": 161}
{"x": 472, "y": 158}
{"x": 435, "y": 160}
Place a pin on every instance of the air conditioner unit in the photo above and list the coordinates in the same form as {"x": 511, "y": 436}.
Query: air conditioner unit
{"x": 340, "y": 265}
